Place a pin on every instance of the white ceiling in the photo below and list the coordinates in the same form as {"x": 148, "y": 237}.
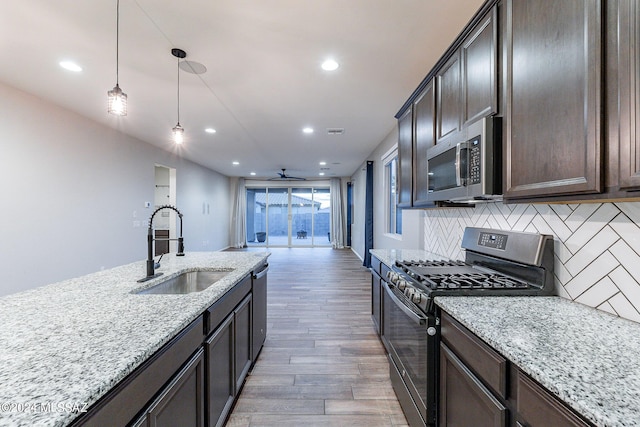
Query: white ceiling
{"x": 263, "y": 82}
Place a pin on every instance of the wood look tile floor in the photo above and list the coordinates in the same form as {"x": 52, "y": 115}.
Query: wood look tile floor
{"x": 322, "y": 363}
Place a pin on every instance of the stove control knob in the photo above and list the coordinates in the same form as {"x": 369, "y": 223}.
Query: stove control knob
{"x": 402, "y": 284}
{"x": 416, "y": 297}
{"x": 431, "y": 331}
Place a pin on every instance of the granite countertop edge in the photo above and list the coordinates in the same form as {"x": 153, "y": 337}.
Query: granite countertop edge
{"x": 70, "y": 342}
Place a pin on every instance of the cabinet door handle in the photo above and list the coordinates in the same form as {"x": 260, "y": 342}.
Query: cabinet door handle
{"x": 261, "y": 273}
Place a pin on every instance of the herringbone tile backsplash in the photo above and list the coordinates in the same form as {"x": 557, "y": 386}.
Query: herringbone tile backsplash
{"x": 597, "y": 245}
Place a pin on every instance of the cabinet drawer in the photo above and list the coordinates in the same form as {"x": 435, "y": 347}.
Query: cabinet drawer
{"x": 225, "y": 305}
{"x": 486, "y": 363}
{"x": 538, "y": 408}
{"x": 376, "y": 265}
{"x": 465, "y": 401}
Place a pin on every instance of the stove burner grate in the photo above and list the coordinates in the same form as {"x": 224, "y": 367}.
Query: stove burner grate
{"x": 472, "y": 281}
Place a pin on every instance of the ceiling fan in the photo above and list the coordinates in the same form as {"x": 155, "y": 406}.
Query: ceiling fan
{"x": 284, "y": 177}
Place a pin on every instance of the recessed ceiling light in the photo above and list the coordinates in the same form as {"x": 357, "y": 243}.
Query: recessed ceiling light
{"x": 210, "y": 130}
{"x": 323, "y": 163}
{"x": 71, "y": 66}
{"x": 321, "y": 174}
{"x": 236, "y": 163}
{"x": 252, "y": 174}
{"x": 307, "y": 130}
{"x": 330, "y": 65}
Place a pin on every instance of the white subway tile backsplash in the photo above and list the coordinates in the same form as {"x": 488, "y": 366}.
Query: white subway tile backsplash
{"x": 594, "y": 272}
{"x": 624, "y": 308}
{"x": 554, "y": 221}
{"x": 580, "y": 214}
{"x": 605, "y": 306}
{"x": 591, "y": 226}
{"x": 597, "y": 245}
{"x": 631, "y": 210}
{"x": 627, "y": 285}
{"x": 593, "y": 296}
{"x": 625, "y": 227}
{"x": 591, "y": 250}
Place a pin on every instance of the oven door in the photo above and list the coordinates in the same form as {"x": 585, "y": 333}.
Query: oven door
{"x": 413, "y": 356}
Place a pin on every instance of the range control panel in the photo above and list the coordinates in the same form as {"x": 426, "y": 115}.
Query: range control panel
{"x": 493, "y": 240}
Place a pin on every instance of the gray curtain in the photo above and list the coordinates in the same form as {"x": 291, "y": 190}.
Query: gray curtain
{"x": 239, "y": 225}
{"x": 337, "y": 216}
{"x": 368, "y": 219}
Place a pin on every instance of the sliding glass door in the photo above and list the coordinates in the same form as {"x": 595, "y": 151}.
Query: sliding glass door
{"x": 288, "y": 216}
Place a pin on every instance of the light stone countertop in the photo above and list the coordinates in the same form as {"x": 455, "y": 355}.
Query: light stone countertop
{"x": 65, "y": 345}
{"x": 588, "y": 358}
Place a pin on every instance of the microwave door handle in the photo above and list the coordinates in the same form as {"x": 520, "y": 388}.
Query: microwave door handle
{"x": 460, "y": 181}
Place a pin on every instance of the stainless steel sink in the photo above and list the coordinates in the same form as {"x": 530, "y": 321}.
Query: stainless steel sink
{"x": 186, "y": 283}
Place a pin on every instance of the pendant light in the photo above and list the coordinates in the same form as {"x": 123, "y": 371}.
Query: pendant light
{"x": 117, "y": 99}
{"x": 178, "y": 131}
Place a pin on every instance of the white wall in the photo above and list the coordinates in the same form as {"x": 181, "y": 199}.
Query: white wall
{"x": 73, "y": 194}
{"x": 412, "y": 219}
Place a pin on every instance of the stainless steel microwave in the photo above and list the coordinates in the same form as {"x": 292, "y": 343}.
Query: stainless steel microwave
{"x": 469, "y": 167}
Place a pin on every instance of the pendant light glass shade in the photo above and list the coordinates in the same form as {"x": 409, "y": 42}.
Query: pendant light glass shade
{"x": 178, "y": 134}
{"x": 116, "y": 98}
{"x": 117, "y": 101}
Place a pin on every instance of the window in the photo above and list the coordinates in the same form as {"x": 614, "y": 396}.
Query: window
{"x": 393, "y": 213}
{"x": 286, "y": 216}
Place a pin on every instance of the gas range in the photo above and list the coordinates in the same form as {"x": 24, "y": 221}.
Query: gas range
{"x": 496, "y": 263}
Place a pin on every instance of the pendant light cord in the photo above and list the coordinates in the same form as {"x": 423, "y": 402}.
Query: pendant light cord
{"x": 178, "y": 90}
{"x": 117, "y": 41}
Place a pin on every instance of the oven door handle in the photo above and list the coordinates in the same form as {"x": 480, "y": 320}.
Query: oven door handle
{"x": 420, "y": 320}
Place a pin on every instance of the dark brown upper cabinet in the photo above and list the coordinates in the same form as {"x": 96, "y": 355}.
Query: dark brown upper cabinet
{"x": 553, "y": 97}
{"x": 479, "y": 55}
{"x": 405, "y": 160}
{"x": 423, "y": 139}
{"x": 623, "y": 103}
{"x": 448, "y": 99}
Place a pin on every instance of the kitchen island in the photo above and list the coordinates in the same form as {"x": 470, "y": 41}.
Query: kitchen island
{"x": 66, "y": 345}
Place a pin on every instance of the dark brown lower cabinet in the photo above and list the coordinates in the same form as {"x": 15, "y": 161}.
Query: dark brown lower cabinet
{"x": 181, "y": 402}
{"x": 538, "y": 408}
{"x": 479, "y": 387}
{"x": 219, "y": 372}
{"x": 376, "y": 293}
{"x": 242, "y": 341}
{"x": 464, "y": 400}
{"x": 229, "y": 358}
